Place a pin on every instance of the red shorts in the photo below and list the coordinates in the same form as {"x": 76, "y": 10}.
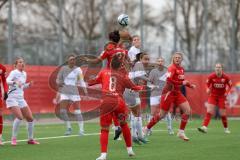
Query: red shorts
{"x": 218, "y": 101}
{"x": 121, "y": 112}
{"x": 171, "y": 98}
{"x": 1, "y": 102}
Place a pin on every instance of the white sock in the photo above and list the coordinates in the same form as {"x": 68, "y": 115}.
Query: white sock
{"x": 138, "y": 123}
{"x": 129, "y": 149}
{"x": 30, "y": 127}
{"x": 169, "y": 121}
{"x": 64, "y": 117}
{"x": 104, "y": 154}
{"x": 16, "y": 125}
{"x": 79, "y": 117}
{"x": 116, "y": 127}
{"x": 68, "y": 124}
{"x": 133, "y": 126}
{"x": 181, "y": 131}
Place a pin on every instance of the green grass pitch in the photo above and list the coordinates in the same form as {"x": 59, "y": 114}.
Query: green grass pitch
{"x": 215, "y": 145}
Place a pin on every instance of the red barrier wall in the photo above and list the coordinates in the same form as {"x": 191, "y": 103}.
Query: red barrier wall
{"x": 40, "y": 96}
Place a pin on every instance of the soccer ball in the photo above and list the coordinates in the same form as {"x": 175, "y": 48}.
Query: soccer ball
{"x": 123, "y": 20}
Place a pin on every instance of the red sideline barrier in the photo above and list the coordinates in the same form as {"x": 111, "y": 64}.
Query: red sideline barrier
{"x": 40, "y": 96}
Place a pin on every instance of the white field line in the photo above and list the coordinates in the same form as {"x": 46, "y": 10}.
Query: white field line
{"x": 88, "y": 134}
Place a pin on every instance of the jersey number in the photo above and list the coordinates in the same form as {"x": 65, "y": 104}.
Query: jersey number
{"x": 113, "y": 83}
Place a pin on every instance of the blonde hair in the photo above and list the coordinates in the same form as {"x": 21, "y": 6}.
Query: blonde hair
{"x": 176, "y": 53}
{"x": 218, "y": 63}
{"x": 16, "y": 61}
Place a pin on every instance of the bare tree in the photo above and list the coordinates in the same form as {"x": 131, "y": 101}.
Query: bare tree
{"x": 2, "y": 3}
{"x": 190, "y": 29}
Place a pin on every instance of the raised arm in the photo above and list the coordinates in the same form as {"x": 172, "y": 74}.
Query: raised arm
{"x": 96, "y": 80}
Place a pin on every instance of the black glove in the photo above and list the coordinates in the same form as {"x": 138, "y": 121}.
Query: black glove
{"x": 5, "y": 96}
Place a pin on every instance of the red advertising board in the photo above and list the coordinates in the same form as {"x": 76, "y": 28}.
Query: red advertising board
{"x": 40, "y": 96}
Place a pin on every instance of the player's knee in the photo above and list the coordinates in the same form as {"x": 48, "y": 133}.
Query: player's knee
{"x": 29, "y": 119}
{"x": 211, "y": 111}
{"x": 19, "y": 118}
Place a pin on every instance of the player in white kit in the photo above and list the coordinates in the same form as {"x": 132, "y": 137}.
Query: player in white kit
{"x": 16, "y": 102}
{"x": 138, "y": 75}
{"x": 158, "y": 77}
{"x": 135, "y": 49}
{"x": 69, "y": 78}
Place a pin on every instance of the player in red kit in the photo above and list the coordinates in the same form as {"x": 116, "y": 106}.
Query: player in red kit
{"x": 218, "y": 86}
{"x": 172, "y": 95}
{"x": 111, "y": 48}
{"x": 114, "y": 83}
{"x": 5, "y": 89}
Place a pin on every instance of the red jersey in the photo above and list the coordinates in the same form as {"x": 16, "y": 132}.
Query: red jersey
{"x": 175, "y": 78}
{"x": 114, "y": 81}
{"x": 218, "y": 85}
{"x": 110, "y": 50}
{"x": 3, "y": 78}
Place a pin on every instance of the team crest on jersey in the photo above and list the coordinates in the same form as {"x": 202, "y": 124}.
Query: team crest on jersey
{"x": 222, "y": 80}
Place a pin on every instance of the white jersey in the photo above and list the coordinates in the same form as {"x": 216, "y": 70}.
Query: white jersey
{"x": 17, "y": 82}
{"x": 133, "y": 51}
{"x": 70, "y": 78}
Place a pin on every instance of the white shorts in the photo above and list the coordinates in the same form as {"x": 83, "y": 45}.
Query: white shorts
{"x": 131, "y": 98}
{"x": 16, "y": 102}
{"x": 69, "y": 97}
{"x": 155, "y": 100}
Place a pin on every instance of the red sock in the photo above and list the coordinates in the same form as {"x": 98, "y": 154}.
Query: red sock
{"x": 224, "y": 122}
{"x": 104, "y": 140}
{"x": 153, "y": 121}
{"x": 115, "y": 121}
{"x": 207, "y": 119}
{"x": 127, "y": 135}
{"x": 184, "y": 121}
{"x": 1, "y": 124}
